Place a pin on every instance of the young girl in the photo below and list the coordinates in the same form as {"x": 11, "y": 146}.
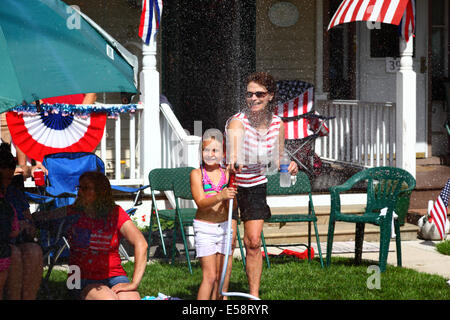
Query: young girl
{"x": 9, "y": 225}
{"x": 212, "y": 195}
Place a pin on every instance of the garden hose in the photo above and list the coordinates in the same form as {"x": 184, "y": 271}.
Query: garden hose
{"x": 231, "y": 183}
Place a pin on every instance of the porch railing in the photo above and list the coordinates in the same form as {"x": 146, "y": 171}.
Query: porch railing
{"x": 362, "y": 134}
{"x": 119, "y": 148}
{"x": 178, "y": 148}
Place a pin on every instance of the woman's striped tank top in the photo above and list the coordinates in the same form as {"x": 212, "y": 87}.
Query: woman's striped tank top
{"x": 258, "y": 150}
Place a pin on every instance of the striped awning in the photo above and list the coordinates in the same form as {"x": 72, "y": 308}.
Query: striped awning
{"x": 385, "y": 11}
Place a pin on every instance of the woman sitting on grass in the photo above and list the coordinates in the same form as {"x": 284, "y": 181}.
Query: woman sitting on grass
{"x": 94, "y": 241}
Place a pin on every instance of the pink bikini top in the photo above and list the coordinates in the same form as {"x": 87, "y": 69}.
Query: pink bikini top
{"x": 209, "y": 188}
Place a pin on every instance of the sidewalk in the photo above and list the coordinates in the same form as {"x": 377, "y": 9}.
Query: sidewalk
{"x": 420, "y": 255}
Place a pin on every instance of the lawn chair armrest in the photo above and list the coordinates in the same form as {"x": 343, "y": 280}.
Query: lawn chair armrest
{"x": 41, "y": 199}
{"x": 335, "y": 195}
{"x": 129, "y": 189}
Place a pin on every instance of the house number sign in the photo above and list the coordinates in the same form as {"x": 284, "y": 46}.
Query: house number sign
{"x": 392, "y": 64}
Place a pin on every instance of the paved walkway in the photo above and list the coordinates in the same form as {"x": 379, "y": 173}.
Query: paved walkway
{"x": 420, "y": 255}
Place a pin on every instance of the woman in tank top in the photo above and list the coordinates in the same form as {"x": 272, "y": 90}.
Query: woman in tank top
{"x": 255, "y": 138}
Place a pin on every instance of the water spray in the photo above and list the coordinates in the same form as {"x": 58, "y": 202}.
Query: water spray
{"x": 231, "y": 183}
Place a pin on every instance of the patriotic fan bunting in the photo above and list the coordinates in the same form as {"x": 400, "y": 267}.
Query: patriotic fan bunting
{"x": 385, "y": 11}
{"x": 439, "y": 211}
{"x": 46, "y": 133}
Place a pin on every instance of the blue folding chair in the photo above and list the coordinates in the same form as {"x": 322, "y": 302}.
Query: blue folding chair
{"x": 64, "y": 171}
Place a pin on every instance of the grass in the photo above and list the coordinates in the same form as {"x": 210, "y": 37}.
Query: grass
{"x": 287, "y": 279}
{"x": 443, "y": 247}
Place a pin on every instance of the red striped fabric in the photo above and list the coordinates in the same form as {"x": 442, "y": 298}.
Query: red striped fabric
{"x": 302, "y": 104}
{"x": 385, "y": 11}
{"x": 151, "y": 10}
{"x": 408, "y": 23}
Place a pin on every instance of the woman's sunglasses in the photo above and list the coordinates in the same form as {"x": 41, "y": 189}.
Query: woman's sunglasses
{"x": 258, "y": 94}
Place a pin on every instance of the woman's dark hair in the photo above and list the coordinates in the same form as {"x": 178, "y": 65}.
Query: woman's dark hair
{"x": 7, "y": 160}
{"x": 266, "y": 80}
{"x": 104, "y": 202}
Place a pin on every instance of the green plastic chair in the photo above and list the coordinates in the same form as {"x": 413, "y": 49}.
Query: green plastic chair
{"x": 301, "y": 186}
{"x": 384, "y": 187}
{"x": 183, "y": 216}
{"x": 160, "y": 180}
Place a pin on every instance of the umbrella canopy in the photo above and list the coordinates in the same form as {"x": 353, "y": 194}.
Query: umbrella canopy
{"x": 48, "y": 49}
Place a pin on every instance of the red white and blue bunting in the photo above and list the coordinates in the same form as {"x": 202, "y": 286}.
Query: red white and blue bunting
{"x": 52, "y": 128}
{"x": 81, "y": 110}
{"x": 45, "y": 133}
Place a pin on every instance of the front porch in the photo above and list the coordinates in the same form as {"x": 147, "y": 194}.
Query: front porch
{"x": 343, "y": 158}
{"x": 362, "y": 135}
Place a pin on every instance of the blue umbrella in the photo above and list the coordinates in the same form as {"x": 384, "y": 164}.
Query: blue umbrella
{"x": 48, "y": 49}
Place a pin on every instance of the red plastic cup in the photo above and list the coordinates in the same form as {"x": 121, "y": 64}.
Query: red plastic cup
{"x": 39, "y": 178}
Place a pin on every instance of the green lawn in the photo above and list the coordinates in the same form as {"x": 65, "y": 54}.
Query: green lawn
{"x": 289, "y": 279}
{"x": 443, "y": 247}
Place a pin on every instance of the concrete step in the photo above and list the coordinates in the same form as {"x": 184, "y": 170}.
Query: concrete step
{"x": 297, "y": 232}
{"x": 322, "y": 212}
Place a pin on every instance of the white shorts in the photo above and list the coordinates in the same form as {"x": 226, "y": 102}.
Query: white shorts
{"x": 210, "y": 238}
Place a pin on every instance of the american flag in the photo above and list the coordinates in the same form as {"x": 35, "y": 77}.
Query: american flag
{"x": 295, "y": 98}
{"x": 408, "y": 23}
{"x": 150, "y": 9}
{"x": 439, "y": 211}
{"x": 301, "y": 104}
{"x": 385, "y": 11}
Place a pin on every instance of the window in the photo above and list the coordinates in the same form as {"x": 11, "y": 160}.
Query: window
{"x": 384, "y": 41}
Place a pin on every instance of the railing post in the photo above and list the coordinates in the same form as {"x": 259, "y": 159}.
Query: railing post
{"x": 191, "y": 151}
{"x": 406, "y": 110}
{"x": 150, "y": 133}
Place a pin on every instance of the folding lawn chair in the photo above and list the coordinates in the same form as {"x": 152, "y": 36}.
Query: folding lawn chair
{"x": 300, "y": 186}
{"x": 184, "y": 214}
{"x": 301, "y": 123}
{"x": 160, "y": 180}
{"x": 176, "y": 180}
{"x": 64, "y": 171}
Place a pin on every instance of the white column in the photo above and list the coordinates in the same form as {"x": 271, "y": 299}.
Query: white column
{"x": 150, "y": 130}
{"x": 406, "y": 110}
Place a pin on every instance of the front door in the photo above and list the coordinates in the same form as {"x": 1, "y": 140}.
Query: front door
{"x": 378, "y": 54}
